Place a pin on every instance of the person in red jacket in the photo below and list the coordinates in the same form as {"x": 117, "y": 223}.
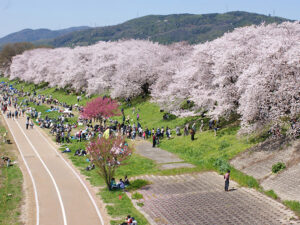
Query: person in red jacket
{"x": 154, "y": 141}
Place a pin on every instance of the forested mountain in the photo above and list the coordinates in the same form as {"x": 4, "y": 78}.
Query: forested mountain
{"x": 167, "y": 29}
{"x": 29, "y": 35}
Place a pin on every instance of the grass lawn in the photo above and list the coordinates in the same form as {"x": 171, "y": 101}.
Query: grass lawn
{"x": 11, "y": 192}
{"x": 207, "y": 152}
{"x": 150, "y": 115}
{"x": 119, "y": 204}
{"x": 57, "y": 93}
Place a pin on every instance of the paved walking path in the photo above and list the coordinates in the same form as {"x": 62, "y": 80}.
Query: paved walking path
{"x": 200, "y": 199}
{"x": 61, "y": 195}
{"x": 166, "y": 159}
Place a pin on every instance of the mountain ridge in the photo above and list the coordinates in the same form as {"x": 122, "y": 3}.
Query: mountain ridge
{"x": 32, "y": 35}
{"x": 164, "y": 29}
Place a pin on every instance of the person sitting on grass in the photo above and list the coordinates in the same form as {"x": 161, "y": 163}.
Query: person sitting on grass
{"x": 121, "y": 184}
{"x": 113, "y": 184}
{"x": 90, "y": 167}
{"x": 128, "y": 221}
{"x": 82, "y": 152}
{"x": 126, "y": 181}
{"x": 134, "y": 222}
{"x": 67, "y": 150}
{"x": 7, "y": 160}
{"x": 77, "y": 152}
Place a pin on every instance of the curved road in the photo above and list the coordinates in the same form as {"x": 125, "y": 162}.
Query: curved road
{"x": 61, "y": 195}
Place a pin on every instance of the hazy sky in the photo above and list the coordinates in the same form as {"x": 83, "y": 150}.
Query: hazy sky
{"x": 16, "y": 15}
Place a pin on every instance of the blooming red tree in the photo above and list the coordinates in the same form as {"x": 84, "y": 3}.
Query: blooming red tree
{"x": 100, "y": 107}
{"x": 108, "y": 154}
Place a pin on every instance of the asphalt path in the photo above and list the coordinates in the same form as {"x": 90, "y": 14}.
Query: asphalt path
{"x": 61, "y": 195}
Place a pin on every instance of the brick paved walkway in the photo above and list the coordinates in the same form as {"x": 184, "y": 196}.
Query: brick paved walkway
{"x": 165, "y": 159}
{"x": 200, "y": 199}
{"x": 259, "y": 165}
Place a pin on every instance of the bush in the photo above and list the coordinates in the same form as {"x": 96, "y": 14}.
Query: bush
{"x": 221, "y": 165}
{"x": 137, "y": 196}
{"x": 137, "y": 184}
{"x": 278, "y": 167}
{"x": 224, "y": 144}
{"x": 187, "y": 104}
{"x": 271, "y": 194}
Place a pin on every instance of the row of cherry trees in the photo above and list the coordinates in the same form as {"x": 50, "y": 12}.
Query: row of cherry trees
{"x": 253, "y": 71}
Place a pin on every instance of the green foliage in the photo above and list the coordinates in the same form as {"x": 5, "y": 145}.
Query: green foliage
{"x": 137, "y": 196}
{"x": 63, "y": 95}
{"x": 120, "y": 206}
{"x": 137, "y": 184}
{"x": 140, "y": 204}
{"x": 243, "y": 179}
{"x": 221, "y": 165}
{"x": 278, "y": 167}
{"x": 39, "y": 37}
{"x": 293, "y": 205}
{"x": 271, "y": 194}
{"x": 150, "y": 114}
{"x": 187, "y": 104}
{"x": 224, "y": 144}
{"x": 167, "y": 29}
{"x": 260, "y": 136}
{"x": 206, "y": 148}
{"x": 10, "y": 50}
{"x": 11, "y": 193}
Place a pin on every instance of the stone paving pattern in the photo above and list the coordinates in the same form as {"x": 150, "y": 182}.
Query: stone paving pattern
{"x": 286, "y": 184}
{"x": 258, "y": 164}
{"x": 200, "y": 199}
{"x": 160, "y": 156}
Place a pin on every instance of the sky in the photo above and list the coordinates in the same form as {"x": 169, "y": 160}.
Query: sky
{"x": 16, "y": 15}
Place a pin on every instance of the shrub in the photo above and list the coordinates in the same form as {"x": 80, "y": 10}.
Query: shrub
{"x": 224, "y": 144}
{"x": 137, "y": 196}
{"x": 271, "y": 194}
{"x": 140, "y": 204}
{"x": 221, "y": 165}
{"x": 278, "y": 167}
{"x": 137, "y": 184}
{"x": 187, "y": 104}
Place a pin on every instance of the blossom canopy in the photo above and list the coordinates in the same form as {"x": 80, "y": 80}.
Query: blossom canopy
{"x": 100, "y": 107}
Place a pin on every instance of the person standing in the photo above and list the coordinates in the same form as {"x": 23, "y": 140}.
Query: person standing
{"x": 201, "y": 126}
{"x": 154, "y": 140}
{"x": 226, "y": 177}
{"x": 27, "y": 124}
{"x": 192, "y": 131}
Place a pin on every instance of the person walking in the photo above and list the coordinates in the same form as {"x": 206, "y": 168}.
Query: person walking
{"x": 226, "y": 177}
{"x": 27, "y": 124}
{"x": 192, "y": 131}
{"x": 201, "y": 126}
{"x": 154, "y": 140}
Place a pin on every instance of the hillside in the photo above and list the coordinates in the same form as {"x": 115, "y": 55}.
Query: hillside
{"x": 167, "y": 29}
{"x": 29, "y": 35}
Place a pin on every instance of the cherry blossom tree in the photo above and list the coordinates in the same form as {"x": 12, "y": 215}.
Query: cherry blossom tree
{"x": 107, "y": 155}
{"x": 252, "y": 71}
{"x": 100, "y": 108}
